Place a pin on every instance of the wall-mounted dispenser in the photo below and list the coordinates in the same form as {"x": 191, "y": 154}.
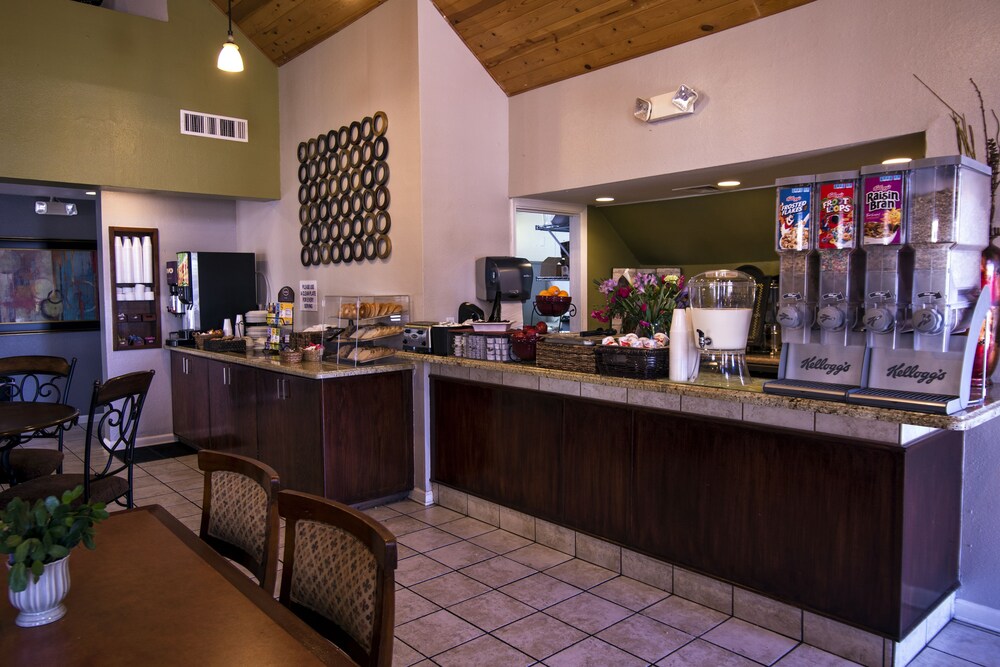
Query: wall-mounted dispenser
{"x": 512, "y": 276}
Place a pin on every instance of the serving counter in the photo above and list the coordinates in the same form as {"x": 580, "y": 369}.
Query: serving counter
{"x": 344, "y": 432}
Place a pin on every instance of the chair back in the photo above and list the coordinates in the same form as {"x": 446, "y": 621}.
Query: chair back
{"x": 33, "y": 378}
{"x": 239, "y": 515}
{"x": 115, "y": 408}
{"x": 339, "y": 574}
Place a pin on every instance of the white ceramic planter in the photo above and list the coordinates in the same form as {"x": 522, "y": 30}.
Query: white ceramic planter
{"x": 41, "y": 602}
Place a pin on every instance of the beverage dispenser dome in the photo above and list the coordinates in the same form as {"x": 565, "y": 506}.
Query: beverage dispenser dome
{"x": 721, "y": 309}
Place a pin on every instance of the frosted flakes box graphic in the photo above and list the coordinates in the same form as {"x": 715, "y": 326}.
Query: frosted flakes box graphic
{"x": 836, "y": 216}
{"x": 883, "y": 209}
{"x": 794, "y": 209}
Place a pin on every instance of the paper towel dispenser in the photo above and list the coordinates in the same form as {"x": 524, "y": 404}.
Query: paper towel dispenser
{"x": 513, "y": 276}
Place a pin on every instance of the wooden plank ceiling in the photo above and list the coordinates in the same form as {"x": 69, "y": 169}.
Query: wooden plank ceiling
{"x": 523, "y": 44}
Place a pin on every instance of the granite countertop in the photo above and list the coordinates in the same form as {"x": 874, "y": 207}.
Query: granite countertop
{"x": 752, "y": 393}
{"x": 313, "y": 370}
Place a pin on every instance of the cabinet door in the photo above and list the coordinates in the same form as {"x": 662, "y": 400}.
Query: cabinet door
{"x": 290, "y": 429}
{"x": 463, "y": 450}
{"x": 189, "y": 394}
{"x": 233, "y": 406}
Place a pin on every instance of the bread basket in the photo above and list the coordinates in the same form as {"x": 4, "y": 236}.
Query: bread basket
{"x": 313, "y": 354}
{"x": 290, "y": 356}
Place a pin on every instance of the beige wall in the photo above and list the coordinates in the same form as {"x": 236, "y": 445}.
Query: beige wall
{"x": 93, "y": 96}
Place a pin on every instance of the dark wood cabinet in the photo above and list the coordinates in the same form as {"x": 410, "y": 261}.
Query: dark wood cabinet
{"x": 290, "y": 429}
{"x": 862, "y": 532}
{"x": 189, "y": 395}
{"x": 232, "y": 392}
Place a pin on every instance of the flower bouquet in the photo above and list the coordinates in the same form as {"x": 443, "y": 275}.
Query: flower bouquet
{"x": 645, "y": 306}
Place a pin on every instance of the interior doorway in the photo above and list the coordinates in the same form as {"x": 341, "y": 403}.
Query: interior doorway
{"x": 552, "y": 237}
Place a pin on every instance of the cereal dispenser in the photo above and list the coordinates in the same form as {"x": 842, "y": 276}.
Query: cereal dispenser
{"x": 798, "y": 272}
{"x": 841, "y": 261}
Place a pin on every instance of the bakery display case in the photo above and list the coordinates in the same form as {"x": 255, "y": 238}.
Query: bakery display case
{"x": 367, "y": 328}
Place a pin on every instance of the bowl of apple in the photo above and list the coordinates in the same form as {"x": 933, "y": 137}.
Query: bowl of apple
{"x": 522, "y": 343}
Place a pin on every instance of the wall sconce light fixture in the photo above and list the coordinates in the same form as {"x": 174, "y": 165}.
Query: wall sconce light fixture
{"x": 668, "y": 105}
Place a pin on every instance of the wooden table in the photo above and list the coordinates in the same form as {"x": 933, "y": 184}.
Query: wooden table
{"x": 18, "y": 419}
{"x": 154, "y": 594}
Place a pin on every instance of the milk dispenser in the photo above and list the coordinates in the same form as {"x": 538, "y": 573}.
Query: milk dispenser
{"x": 829, "y": 362}
{"x": 721, "y": 307}
{"x": 919, "y": 362}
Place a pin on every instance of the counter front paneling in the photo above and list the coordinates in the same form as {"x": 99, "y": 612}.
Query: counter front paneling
{"x": 343, "y": 432}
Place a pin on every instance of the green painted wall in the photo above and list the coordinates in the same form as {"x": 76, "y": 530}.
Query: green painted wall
{"x": 93, "y": 96}
{"x": 605, "y": 251}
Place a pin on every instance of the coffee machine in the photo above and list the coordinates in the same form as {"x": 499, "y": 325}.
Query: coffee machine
{"x": 828, "y": 360}
{"x": 213, "y": 286}
{"x": 924, "y": 231}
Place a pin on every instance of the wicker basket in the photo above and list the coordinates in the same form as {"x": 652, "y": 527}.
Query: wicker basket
{"x": 633, "y": 362}
{"x": 566, "y": 357}
{"x": 301, "y": 339}
{"x": 200, "y": 338}
{"x": 312, "y": 354}
{"x": 290, "y": 356}
{"x": 226, "y": 345}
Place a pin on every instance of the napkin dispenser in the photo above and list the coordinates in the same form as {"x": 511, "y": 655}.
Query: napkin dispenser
{"x": 511, "y": 276}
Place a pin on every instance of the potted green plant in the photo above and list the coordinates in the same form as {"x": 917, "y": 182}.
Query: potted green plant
{"x": 37, "y": 540}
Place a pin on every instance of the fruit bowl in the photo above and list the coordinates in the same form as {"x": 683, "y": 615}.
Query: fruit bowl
{"x": 552, "y": 305}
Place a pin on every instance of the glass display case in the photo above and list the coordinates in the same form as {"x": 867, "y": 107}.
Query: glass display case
{"x": 364, "y": 329}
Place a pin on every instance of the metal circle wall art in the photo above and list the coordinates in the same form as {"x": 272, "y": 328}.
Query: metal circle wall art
{"x": 343, "y": 193}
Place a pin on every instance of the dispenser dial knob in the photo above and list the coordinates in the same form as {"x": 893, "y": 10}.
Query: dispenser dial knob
{"x": 831, "y": 318}
{"x": 928, "y": 321}
{"x": 878, "y": 320}
{"x": 790, "y": 315}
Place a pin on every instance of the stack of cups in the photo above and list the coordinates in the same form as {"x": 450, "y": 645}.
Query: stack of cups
{"x": 128, "y": 293}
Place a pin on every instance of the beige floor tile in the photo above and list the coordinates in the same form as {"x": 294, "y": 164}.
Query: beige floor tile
{"x": 166, "y": 500}
{"x": 498, "y": 571}
{"x": 460, "y": 554}
{"x": 538, "y": 556}
{"x": 449, "y": 589}
{"x": 539, "y": 635}
{"x": 629, "y": 593}
{"x": 406, "y": 506}
{"x": 437, "y": 632}
{"x": 381, "y": 513}
{"x": 427, "y": 539}
{"x": 184, "y": 510}
{"x": 750, "y": 641}
{"x": 969, "y": 643}
{"x": 404, "y": 655}
{"x": 685, "y": 615}
{"x": 500, "y": 541}
{"x": 593, "y": 651}
{"x": 701, "y": 652}
{"x": 580, "y": 573}
{"x": 491, "y": 610}
{"x": 644, "y": 637}
{"x": 540, "y": 591}
{"x": 466, "y": 527}
{"x": 415, "y": 569}
{"x": 435, "y": 515}
{"x": 401, "y": 525}
{"x": 485, "y": 651}
{"x": 178, "y": 477}
{"x": 808, "y": 656}
{"x": 410, "y": 606}
{"x": 588, "y": 613}
{"x": 150, "y": 490}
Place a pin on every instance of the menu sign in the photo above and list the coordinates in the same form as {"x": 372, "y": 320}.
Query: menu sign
{"x": 794, "y": 207}
{"x": 836, "y": 216}
{"x": 883, "y": 209}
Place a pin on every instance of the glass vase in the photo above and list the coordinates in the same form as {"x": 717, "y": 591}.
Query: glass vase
{"x": 987, "y": 353}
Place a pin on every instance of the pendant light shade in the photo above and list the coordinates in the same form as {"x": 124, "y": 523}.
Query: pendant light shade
{"x": 230, "y": 59}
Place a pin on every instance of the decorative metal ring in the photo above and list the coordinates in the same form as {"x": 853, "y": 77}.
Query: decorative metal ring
{"x": 369, "y": 224}
{"x": 314, "y": 233}
{"x": 304, "y": 172}
{"x": 331, "y": 141}
{"x": 368, "y": 176}
{"x": 321, "y": 146}
{"x": 367, "y": 152}
{"x": 357, "y": 203}
{"x": 344, "y": 158}
{"x": 371, "y": 248}
{"x": 302, "y": 152}
{"x": 331, "y": 162}
{"x": 344, "y": 182}
{"x": 324, "y": 253}
{"x": 357, "y": 226}
{"x": 383, "y": 247}
{"x": 355, "y": 156}
{"x": 335, "y": 255}
{"x": 345, "y": 229}
{"x": 381, "y": 148}
{"x": 380, "y": 123}
{"x": 359, "y": 249}
{"x": 355, "y": 132}
{"x": 381, "y": 173}
{"x": 323, "y": 190}
{"x": 367, "y": 128}
{"x": 304, "y": 214}
{"x": 369, "y": 200}
{"x": 313, "y": 191}
{"x": 314, "y": 255}
{"x": 347, "y": 251}
{"x": 324, "y": 232}
{"x": 334, "y": 231}
{"x": 303, "y": 193}
{"x": 382, "y": 197}
{"x": 313, "y": 212}
{"x": 321, "y": 168}
{"x": 334, "y": 186}
{"x": 305, "y": 256}
{"x": 382, "y": 222}
{"x": 304, "y": 234}
{"x": 311, "y": 148}
{"x": 345, "y": 205}
{"x": 312, "y": 169}
{"x": 343, "y": 137}
{"x": 356, "y": 179}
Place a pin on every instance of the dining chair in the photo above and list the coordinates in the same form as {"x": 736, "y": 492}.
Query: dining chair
{"x": 239, "y": 512}
{"x": 112, "y": 425}
{"x": 30, "y": 379}
{"x": 339, "y": 574}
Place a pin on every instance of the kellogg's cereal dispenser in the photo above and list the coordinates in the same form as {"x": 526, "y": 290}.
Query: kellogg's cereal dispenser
{"x": 949, "y": 229}
{"x": 798, "y": 271}
{"x": 841, "y": 260}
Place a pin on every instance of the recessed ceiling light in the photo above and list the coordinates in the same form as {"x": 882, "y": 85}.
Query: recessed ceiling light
{"x": 604, "y": 199}
{"x": 897, "y": 160}
{"x": 90, "y": 193}
{"x": 728, "y": 184}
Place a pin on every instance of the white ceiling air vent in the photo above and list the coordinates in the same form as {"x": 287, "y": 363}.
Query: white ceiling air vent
{"x": 706, "y": 189}
{"x": 215, "y": 127}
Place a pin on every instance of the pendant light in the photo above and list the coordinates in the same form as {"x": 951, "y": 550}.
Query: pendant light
{"x": 230, "y": 59}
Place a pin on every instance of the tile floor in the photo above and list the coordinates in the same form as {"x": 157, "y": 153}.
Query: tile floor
{"x": 471, "y": 594}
